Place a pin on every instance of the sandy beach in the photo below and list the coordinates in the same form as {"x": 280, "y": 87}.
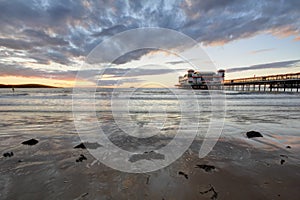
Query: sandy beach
{"x": 238, "y": 167}
{"x": 235, "y": 169}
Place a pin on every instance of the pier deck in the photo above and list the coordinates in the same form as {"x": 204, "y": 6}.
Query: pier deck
{"x": 273, "y": 83}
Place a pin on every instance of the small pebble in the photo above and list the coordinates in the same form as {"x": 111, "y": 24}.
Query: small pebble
{"x": 81, "y": 158}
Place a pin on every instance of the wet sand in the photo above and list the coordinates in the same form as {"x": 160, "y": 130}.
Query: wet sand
{"x": 235, "y": 169}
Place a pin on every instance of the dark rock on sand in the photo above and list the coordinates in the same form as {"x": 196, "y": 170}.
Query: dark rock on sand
{"x": 147, "y": 155}
{"x": 30, "y": 142}
{"x": 288, "y": 147}
{"x": 284, "y": 156}
{"x": 252, "y": 134}
{"x": 282, "y": 161}
{"x": 148, "y": 179}
{"x": 183, "y": 174}
{"x": 81, "y": 158}
{"x": 8, "y": 154}
{"x": 80, "y": 146}
{"x": 82, "y": 196}
{"x": 207, "y": 168}
{"x": 214, "y": 193}
{"x": 87, "y": 145}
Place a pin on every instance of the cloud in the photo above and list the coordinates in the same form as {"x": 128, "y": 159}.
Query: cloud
{"x": 50, "y": 56}
{"x": 16, "y": 44}
{"x": 176, "y": 62}
{"x": 118, "y": 82}
{"x": 121, "y": 74}
{"x": 133, "y": 72}
{"x": 17, "y": 70}
{"x": 297, "y": 38}
{"x": 58, "y": 58}
{"x": 133, "y": 55}
{"x": 215, "y": 22}
{"x": 110, "y": 31}
{"x": 64, "y": 31}
{"x": 261, "y": 51}
{"x": 283, "y": 64}
{"x": 43, "y": 37}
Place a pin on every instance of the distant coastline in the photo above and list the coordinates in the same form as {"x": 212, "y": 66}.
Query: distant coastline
{"x": 26, "y": 86}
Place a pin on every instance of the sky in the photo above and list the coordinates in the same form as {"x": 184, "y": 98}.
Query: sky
{"x": 49, "y": 41}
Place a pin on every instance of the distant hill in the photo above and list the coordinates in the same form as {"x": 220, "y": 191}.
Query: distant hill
{"x": 26, "y": 86}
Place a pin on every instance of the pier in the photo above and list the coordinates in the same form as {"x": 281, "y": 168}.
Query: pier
{"x": 272, "y": 83}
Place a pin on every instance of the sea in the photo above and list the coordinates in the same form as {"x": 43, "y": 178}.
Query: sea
{"x": 150, "y": 112}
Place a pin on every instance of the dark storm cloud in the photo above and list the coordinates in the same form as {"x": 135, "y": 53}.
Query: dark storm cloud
{"x": 284, "y": 64}
{"x": 62, "y": 31}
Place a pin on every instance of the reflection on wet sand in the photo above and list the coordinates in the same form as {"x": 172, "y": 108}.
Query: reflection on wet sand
{"x": 235, "y": 169}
